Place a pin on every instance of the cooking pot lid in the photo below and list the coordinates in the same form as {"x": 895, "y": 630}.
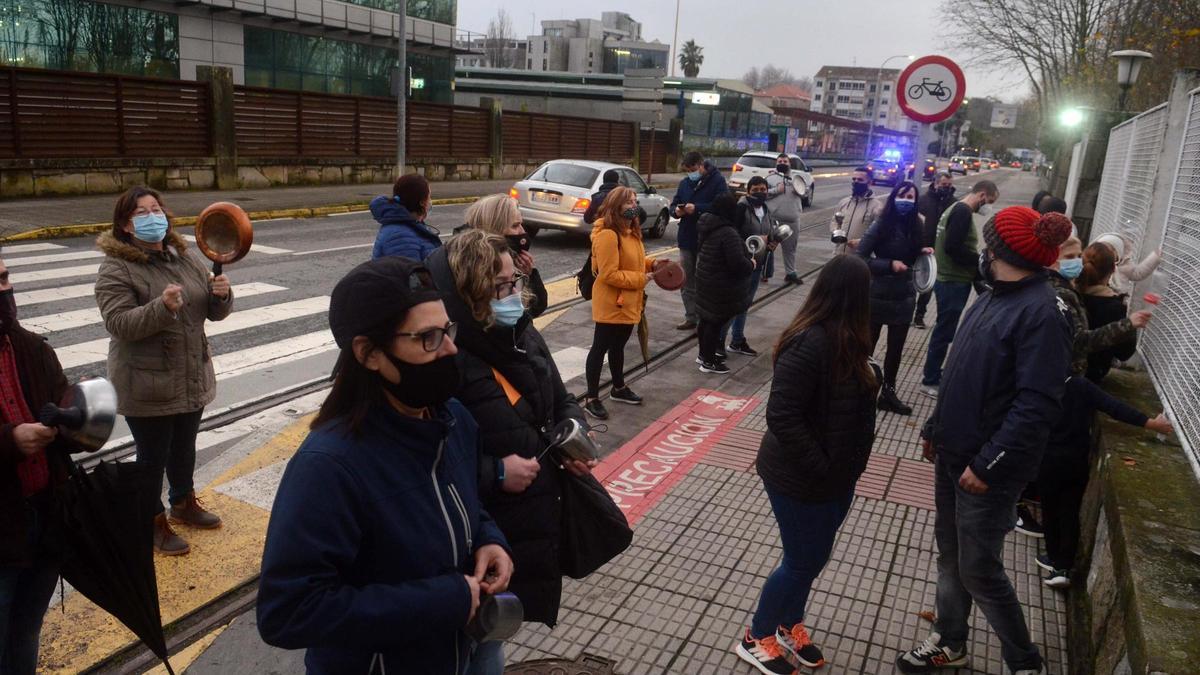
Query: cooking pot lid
{"x": 670, "y": 277}
{"x": 924, "y": 272}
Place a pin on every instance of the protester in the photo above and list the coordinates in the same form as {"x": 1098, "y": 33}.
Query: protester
{"x": 931, "y": 206}
{"x": 858, "y": 210}
{"x": 724, "y": 270}
{"x": 499, "y": 214}
{"x": 401, "y": 218}
{"x": 753, "y": 218}
{"x": 1104, "y": 307}
{"x": 1036, "y": 204}
{"x": 1052, "y": 204}
{"x": 820, "y": 428}
{"x": 693, "y": 197}
{"x": 999, "y": 398}
{"x": 891, "y": 247}
{"x": 1129, "y": 270}
{"x": 377, "y": 549}
{"x": 155, "y": 296}
{"x": 618, "y": 296}
{"x": 610, "y": 181}
{"x": 784, "y": 194}
{"x": 32, "y": 462}
{"x": 1063, "y": 476}
{"x": 957, "y": 254}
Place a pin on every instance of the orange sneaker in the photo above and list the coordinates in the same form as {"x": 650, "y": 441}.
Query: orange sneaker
{"x": 797, "y": 642}
{"x": 765, "y": 654}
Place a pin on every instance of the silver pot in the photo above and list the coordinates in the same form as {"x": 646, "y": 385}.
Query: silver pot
{"x": 86, "y": 414}
{"x": 572, "y": 440}
{"x": 499, "y": 617}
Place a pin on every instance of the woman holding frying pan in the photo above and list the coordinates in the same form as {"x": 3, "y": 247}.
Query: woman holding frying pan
{"x": 155, "y": 296}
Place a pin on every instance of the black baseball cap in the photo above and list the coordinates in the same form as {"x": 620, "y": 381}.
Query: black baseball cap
{"x": 376, "y": 291}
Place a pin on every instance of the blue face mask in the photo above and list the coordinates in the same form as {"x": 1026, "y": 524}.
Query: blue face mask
{"x": 905, "y": 206}
{"x": 150, "y": 227}
{"x": 694, "y": 176}
{"x": 508, "y": 311}
{"x": 1070, "y": 268}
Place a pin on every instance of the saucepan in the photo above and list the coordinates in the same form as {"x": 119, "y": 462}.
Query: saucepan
{"x": 224, "y": 234}
{"x": 85, "y": 415}
{"x": 498, "y": 618}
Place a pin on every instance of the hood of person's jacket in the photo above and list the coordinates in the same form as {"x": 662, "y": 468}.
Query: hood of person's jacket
{"x": 115, "y": 248}
{"x": 490, "y": 344}
{"x": 388, "y": 211}
{"x": 711, "y": 222}
{"x": 608, "y": 187}
{"x": 1006, "y": 287}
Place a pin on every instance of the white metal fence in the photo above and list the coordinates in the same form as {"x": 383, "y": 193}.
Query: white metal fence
{"x": 1127, "y": 184}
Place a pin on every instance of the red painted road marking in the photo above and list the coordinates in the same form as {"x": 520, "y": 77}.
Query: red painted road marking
{"x": 648, "y": 466}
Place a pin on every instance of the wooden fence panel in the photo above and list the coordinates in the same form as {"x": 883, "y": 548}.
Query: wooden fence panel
{"x": 327, "y": 126}
{"x": 516, "y": 130}
{"x": 657, "y": 139}
{"x": 573, "y": 141}
{"x": 472, "y": 133}
{"x": 265, "y": 122}
{"x": 165, "y": 119}
{"x": 377, "y": 128}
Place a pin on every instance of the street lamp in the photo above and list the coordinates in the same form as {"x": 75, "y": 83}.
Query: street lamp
{"x": 1071, "y": 117}
{"x": 878, "y": 92}
{"x": 1129, "y": 65}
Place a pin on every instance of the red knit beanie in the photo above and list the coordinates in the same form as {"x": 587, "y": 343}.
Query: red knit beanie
{"x": 1023, "y": 237}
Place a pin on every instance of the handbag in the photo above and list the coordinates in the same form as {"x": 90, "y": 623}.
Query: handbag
{"x": 593, "y": 529}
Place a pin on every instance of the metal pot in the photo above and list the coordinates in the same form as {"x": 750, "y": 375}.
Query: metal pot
{"x": 224, "y": 234}
{"x": 572, "y": 440}
{"x": 839, "y": 234}
{"x": 499, "y": 617}
{"x": 86, "y": 414}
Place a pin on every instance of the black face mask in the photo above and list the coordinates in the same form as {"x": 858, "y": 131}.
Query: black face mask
{"x": 944, "y": 192}
{"x": 423, "y": 385}
{"x": 756, "y": 199}
{"x": 860, "y": 189}
{"x": 985, "y": 267}
{"x": 8, "y": 311}
{"x": 783, "y": 168}
{"x": 518, "y": 242}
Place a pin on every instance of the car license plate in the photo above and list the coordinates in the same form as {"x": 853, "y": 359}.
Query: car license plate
{"x": 544, "y": 197}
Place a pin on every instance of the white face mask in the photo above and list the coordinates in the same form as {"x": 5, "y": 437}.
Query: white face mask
{"x": 985, "y": 210}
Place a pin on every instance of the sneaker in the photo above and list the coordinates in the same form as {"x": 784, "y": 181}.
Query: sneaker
{"x": 1043, "y": 561}
{"x": 742, "y": 348}
{"x": 919, "y": 322}
{"x": 930, "y": 390}
{"x": 1031, "y": 671}
{"x": 1058, "y": 579}
{"x": 890, "y": 402}
{"x": 686, "y": 325}
{"x": 1027, "y": 524}
{"x": 796, "y": 641}
{"x": 166, "y": 542}
{"x": 718, "y": 367}
{"x": 931, "y": 656}
{"x": 793, "y": 278}
{"x": 766, "y": 655}
{"x": 191, "y": 513}
{"x": 721, "y": 354}
{"x": 596, "y": 409}
{"x": 625, "y": 395}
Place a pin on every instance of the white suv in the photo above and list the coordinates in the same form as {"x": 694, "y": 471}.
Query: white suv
{"x": 761, "y": 163}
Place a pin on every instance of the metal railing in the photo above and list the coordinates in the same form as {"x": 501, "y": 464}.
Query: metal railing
{"x": 1127, "y": 184}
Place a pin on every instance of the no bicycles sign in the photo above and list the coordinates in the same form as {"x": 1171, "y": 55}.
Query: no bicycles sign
{"x": 930, "y": 89}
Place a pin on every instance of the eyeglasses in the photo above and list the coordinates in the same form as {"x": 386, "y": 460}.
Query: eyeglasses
{"x": 507, "y": 288}
{"x": 431, "y": 339}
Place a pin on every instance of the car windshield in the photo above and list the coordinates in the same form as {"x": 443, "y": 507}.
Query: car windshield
{"x": 757, "y": 162}
{"x": 569, "y": 174}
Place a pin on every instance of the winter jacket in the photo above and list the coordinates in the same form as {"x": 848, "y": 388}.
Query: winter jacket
{"x": 529, "y": 520}
{"x": 1104, "y": 311}
{"x": 538, "y": 298}
{"x": 819, "y": 432}
{"x": 1071, "y": 436}
{"x": 723, "y": 270}
{"x": 957, "y": 245}
{"x": 158, "y": 362}
{"x": 893, "y": 295}
{"x": 701, "y": 193}
{"x": 857, "y": 214}
{"x": 783, "y": 194}
{"x": 589, "y": 216}
{"x": 1003, "y": 383}
{"x": 42, "y": 382}
{"x": 749, "y": 223}
{"x": 1086, "y": 341}
{"x": 931, "y": 207}
{"x": 618, "y": 295}
{"x": 400, "y": 233}
{"x": 369, "y": 541}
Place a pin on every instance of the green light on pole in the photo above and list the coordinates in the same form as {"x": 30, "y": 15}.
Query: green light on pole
{"x": 1071, "y": 117}
{"x": 417, "y": 83}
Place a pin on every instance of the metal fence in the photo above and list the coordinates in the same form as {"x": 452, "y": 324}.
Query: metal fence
{"x": 1130, "y": 167}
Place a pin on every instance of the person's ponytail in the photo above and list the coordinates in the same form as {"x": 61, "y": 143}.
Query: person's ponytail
{"x": 1099, "y": 263}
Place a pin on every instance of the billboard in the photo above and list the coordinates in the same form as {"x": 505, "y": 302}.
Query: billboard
{"x": 1004, "y": 116}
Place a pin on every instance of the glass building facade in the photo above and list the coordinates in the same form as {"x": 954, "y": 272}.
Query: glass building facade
{"x": 617, "y": 59}
{"x": 441, "y": 11}
{"x": 88, "y": 36}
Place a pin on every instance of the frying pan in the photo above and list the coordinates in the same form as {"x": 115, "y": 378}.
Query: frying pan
{"x": 224, "y": 234}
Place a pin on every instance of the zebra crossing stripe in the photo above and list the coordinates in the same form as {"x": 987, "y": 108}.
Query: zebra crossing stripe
{"x": 28, "y": 248}
{"x": 52, "y": 258}
{"x": 257, "y": 248}
{"x": 29, "y": 298}
{"x": 18, "y": 278}
{"x": 273, "y": 354}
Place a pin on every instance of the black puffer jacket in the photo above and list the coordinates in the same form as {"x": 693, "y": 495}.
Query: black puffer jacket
{"x": 723, "y": 268}
{"x": 819, "y": 432}
{"x": 893, "y": 295}
{"x": 529, "y": 520}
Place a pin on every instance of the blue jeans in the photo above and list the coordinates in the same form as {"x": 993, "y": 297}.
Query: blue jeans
{"x": 25, "y": 594}
{"x": 952, "y": 299}
{"x": 487, "y": 659}
{"x": 739, "y": 322}
{"x": 970, "y": 531}
{"x": 807, "y": 531}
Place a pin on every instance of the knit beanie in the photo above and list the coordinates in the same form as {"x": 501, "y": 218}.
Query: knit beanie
{"x": 1020, "y": 236}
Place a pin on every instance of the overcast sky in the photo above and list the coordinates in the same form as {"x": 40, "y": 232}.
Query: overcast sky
{"x": 800, "y": 35}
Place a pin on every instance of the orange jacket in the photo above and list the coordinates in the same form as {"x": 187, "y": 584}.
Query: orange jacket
{"x": 617, "y": 295}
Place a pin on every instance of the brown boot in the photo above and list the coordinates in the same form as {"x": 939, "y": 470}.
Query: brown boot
{"x": 166, "y": 541}
{"x": 189, "y": 512}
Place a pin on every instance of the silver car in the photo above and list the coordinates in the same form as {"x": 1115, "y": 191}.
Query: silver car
{"x": 556, "y": 195}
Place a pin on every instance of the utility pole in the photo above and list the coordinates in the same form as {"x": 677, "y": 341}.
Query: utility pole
{"x": 401, "y": 84}
{"x": 675, "y": 40}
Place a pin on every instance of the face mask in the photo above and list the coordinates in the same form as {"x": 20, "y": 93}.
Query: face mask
{"x": 905, "y": 206}
{"x": 693, "y": 176}
{"x": 985, "y": 266}
{"x": 944, "y": 192}
{"x": 518, "y": 242}
{"x": 423, "y": 385}
{"x": 860, "y": 189}
{"x": 8, "y": 311}
{"x": 630, "y": 213}
{"x": 984, "y": 209}
{"x": 783, "y": 168}
{"x": 508, "y": 311}
{"x": 1070, "y": 268}
{"x": 757, "y": 199}
{"x": 150, "y": 227}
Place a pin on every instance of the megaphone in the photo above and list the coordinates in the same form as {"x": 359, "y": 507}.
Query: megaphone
{"x": 755, "y": 244}
{"x": 839, "y": 234}
{"x": 224, "y": 234}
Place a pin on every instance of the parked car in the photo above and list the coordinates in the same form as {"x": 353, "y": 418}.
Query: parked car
{"x": 1014, "y": 164}
{"x": 761, "y": 163}
{"x": 886, "y": 170}
{"x": 993, "y": 164}
{"x": 957, "y": 165}
{"x": 975, "y": 163}
{"x": 1027, "y": 166}
{"x": 557, "y": 193}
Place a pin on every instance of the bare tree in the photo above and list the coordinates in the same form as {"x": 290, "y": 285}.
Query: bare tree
{"x": 771, "y": 75}
{"x": 498, "y": 43}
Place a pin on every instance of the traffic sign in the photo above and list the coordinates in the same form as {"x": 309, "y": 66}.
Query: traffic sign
{"x": 930, "y": 89}
{"x": 1004, "y": 116}
{"x": 641, "y": 95}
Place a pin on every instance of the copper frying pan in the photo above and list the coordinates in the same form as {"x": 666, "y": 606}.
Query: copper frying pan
{"x": 224, "y": 234}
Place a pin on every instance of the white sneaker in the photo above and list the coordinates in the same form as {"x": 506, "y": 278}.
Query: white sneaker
{"x": 931, "y": 655}
{"x": 930, "y": 390}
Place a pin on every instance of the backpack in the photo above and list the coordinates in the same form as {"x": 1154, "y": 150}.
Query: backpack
{"x": 585, "y": 278}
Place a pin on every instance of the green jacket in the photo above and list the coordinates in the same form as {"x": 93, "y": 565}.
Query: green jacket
{"x": 1086, "y": 341}
{"x": 956, "y": 252}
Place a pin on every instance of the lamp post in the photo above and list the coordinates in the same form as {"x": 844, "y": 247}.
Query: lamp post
{"x": 401, "y": 85}
{"x": 675, "y": 40}
{"x": 878, "y": 92}
{"x": 1129, "y": 65}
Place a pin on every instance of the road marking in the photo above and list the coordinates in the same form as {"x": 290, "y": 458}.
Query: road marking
{"x": 52, "y": 294}
{"x": 29, "y": 248}
{"x": 59, "y": 273}
{"x": 49, "y": 323}
{"x": 52, "y": 258}
{"x": 347, "y": 213}
{"x": 571, "y": 362}
{"x": 257, "y": 248}
{"x": 273, "y": 354}
{"x": 335, "y": 248}
{"x": 94, "y": 351}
